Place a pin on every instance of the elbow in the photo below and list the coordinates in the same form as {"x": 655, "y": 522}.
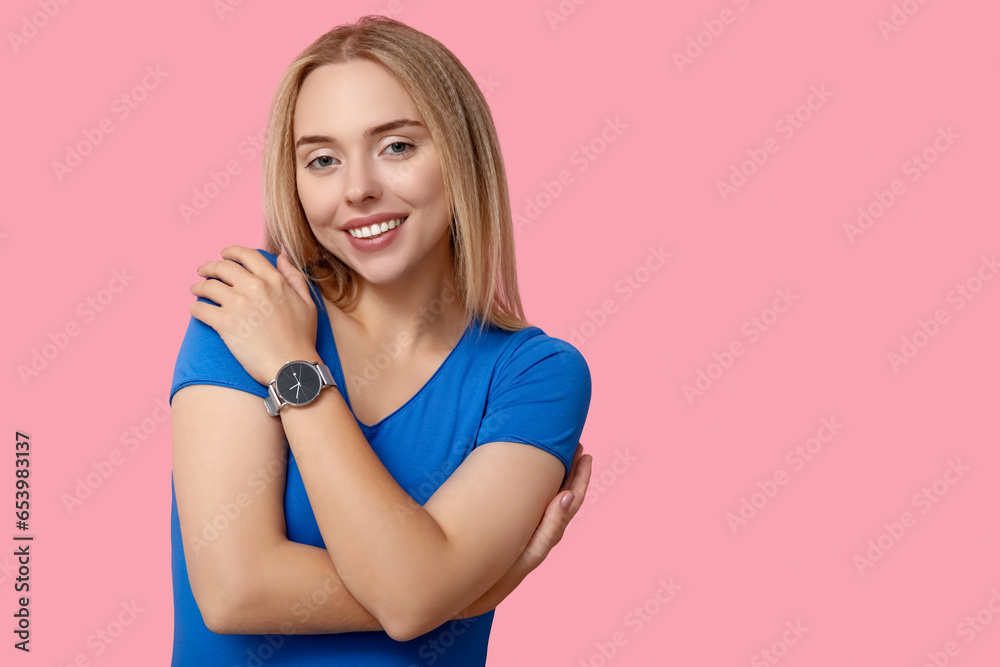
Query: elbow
{"x": 223, "y": 605}
{"x": 222, "y": 620}
{"x": 217, "y": 620}
{"x": 404, "y": 630}
{"x": 407, "y": 625}
{"x": 220, "y": 612}
{"x": 400, "y": 625}
{"x": 407, "y": 605}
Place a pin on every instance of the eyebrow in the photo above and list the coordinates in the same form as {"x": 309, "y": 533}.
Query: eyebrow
{"x": 370, "y": 132}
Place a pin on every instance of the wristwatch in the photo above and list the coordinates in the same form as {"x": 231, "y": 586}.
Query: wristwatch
{"x": 298, "y": 383}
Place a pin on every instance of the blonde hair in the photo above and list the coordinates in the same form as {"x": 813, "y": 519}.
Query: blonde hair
{"x": 465, "y": 139}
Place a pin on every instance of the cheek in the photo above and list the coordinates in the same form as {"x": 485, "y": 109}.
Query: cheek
{"x": 421, "y": 184}
{"x": 316, "y": 203}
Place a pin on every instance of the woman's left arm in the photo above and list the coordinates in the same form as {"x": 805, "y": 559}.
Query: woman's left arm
{"x": 413, "y": 567}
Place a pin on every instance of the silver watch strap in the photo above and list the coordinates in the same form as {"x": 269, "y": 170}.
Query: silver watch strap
{"x": 272, "y": 400}
{"x": 324, "y": 372}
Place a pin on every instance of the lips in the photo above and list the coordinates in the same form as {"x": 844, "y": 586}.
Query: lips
{"x": 375, "y": 218}
{"x": 376, "y": 229}
{"x": 376, "y": 241}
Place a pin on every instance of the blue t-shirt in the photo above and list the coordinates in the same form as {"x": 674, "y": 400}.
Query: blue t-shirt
{"x": 508, "y": 386}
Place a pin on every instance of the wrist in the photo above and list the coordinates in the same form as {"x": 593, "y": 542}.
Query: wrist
{"x": 296, "y": 384}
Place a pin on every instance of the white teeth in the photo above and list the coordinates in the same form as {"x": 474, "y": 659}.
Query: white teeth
{"x": 376, "y": 229}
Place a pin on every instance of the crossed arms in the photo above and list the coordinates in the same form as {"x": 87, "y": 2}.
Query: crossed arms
{"x": 250, "y": 579}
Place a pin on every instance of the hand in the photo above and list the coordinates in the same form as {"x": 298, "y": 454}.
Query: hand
{"x": 560, "y": 511}
{"x": 548, "y": 534}
{"x": 266, "y": 316}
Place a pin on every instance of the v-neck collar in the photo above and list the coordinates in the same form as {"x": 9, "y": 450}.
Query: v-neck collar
{"x": 325, "y": 335}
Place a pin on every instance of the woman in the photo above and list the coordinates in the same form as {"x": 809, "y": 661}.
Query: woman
{"x": 432, "y": 457}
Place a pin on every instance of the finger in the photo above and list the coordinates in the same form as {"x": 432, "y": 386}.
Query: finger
{"x": 580, "y": 482}
{"x": 225, "y": 270}
{"x": 255, "y": 264}
{"x": 567, "y": 500}
{"x": 252, "y": 260}
{"x": 215, "y": 290}
{"x": 205, "y": 313}
{"x": 548, "y": 533}
{"x": 569, "y": 476}
{"x": 572, "y": 468}
{"x": 294, "y": 277}
{"x": 558, "y": 513}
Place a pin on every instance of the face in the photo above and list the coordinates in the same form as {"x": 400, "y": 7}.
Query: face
{"x": 364, "y": 155}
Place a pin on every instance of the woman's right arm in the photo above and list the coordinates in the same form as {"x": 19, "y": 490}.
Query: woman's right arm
{"x": 229, "y": 467}
{"x": 229, "y": 463}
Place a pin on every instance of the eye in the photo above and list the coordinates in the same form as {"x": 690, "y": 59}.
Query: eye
{"x": 321, "y": 166}
{"x": 399, "y": 148}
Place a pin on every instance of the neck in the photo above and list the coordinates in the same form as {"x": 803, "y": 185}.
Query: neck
{"x": 421, "y": 310}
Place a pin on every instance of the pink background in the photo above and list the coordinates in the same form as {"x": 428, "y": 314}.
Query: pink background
{"x": 669, "y": 467}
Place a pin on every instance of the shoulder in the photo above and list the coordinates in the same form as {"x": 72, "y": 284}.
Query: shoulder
{"x": 539, "y": 394}
{"x": 271, "y": 257}
{"x": 534, "y": 345}
{"x": 204, "y": 358}
{"x": 532, "y": 354}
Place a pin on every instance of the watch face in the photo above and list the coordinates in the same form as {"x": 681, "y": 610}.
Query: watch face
{"x": 298, "y": 383}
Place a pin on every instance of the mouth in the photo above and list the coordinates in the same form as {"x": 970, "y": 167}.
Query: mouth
{"x": 377, "y": 229}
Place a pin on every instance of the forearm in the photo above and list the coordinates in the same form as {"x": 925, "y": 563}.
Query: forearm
{"x": 295, "y": 589}
{"x": 392, "y": 553}
{"x": 492, "y": 598}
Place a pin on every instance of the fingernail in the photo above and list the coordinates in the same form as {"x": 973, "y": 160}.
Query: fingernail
{"x": 567, "y": 500}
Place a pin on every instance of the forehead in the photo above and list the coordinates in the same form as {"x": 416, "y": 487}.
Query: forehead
{"x": 344, "y": 99}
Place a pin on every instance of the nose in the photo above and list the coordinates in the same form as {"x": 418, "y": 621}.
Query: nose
{"x": 361, "y": 181}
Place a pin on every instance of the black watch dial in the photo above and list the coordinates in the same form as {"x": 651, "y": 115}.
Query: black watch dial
{"x": 298, "y": 383}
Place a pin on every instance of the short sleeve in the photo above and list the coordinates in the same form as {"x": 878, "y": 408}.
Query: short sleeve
{"x": 204, "y": 358}
{"x": 539, "y": 395}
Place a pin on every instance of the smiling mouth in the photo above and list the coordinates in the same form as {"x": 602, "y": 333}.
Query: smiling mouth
{"x": 376, "y": 230}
